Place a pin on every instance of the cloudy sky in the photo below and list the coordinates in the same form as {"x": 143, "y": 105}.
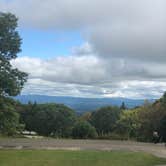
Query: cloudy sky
{"x": 108, "y": 48}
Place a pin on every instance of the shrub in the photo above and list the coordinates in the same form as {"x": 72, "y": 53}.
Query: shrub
{"x": 83, "y": 130}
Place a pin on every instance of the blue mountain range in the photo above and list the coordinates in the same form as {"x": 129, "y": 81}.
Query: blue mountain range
{"x": 81, "y": 104}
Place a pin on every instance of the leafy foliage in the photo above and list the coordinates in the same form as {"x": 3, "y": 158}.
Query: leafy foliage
{"x": 104, "y": 119}
{"x": 141, "y": 122}
{"x": 11, "y": 80}
{"x": 83, "y": 129}
{"x": 49, "y": 119}
{"x": 9, "y": 118}
{"x": 128, "y": 124}
{"x": 162, "y": 129}
{"x": 9, "y": 123}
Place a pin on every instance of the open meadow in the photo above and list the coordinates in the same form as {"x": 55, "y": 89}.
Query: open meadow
{"x": 76, "y": 158}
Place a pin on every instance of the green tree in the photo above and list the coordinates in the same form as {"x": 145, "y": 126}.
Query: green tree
{"x": 162, "y": 129}
{"x": 27, "y": 115}
{"x": 123, "y": 106}
{"x": 128, "y": 124}
{"x": 11, "y": 80}
{"x": 9, "y": 123}
{"x": 85, "y": 117}
{"x": 104, "y": 119}
{"x": 9, "y": 118}
{"x": 163, "y": 100}
{"x": 141, "y": 122}
{"x": 49, "y": 119}
{"x": 149, "y": 119}
{"x": 84, "y": 130}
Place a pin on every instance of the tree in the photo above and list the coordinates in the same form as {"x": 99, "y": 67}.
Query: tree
{"x": 9, "y": 118}
{"x": 9, "y": 123}
{"x": 104, "y": 119}
{"x": 84, "y": 130}
{"x": 49, "y": 119}
{"x": 163, "y": 100}
{"x": 11, "y": 80}
{"x": 86, "y": 116}
{"x": 150, "y": 118}
{"x": 27, "y": 115}
{"x": 162, "y": 129}
{"x": 141, "y": 122}
{"x": 128, "y": 124}
{"x": 123, "y": 106}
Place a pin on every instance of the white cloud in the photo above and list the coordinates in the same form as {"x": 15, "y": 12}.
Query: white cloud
{"x": 71, "y": 69}
{"x": 125, "y": 45}
{"x": 84, "y": 49}
{"x": 89, "y": 76}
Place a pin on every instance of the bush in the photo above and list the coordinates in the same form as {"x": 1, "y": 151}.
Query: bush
{"x": 84, "y": 130}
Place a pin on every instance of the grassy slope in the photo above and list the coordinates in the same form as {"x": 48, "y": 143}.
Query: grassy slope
{"x": 76, "y": 158}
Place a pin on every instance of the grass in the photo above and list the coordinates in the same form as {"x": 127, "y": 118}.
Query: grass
{"x": 76, "y": 158}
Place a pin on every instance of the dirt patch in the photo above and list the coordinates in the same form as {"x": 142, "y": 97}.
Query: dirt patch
{"x": 105, "y": 145}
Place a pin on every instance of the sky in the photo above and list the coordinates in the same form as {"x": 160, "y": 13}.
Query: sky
{"x": 82, "y": 48}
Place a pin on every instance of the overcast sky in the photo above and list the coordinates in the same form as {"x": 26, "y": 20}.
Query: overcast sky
{"x": 96, "y": 48}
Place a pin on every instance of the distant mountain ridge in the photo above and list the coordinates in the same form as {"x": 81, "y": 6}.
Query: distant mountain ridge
{"x": 81, "y": 104}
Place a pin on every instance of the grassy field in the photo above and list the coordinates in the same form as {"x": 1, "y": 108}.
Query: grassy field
{"x": 76, "y": 158}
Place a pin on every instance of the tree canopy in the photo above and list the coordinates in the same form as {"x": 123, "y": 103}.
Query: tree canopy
{"x": 83, "y": 129}
{"x": 11, "y": 79}
{"x": 104, "y": 119}
{"x": 49, "y": 119}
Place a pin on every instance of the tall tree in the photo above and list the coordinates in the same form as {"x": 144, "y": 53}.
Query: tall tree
{"x": 11, "y": 79}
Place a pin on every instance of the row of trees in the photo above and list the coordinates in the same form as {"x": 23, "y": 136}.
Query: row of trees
{"x": 57, "y": 120}
{"x": 140, "y": 123}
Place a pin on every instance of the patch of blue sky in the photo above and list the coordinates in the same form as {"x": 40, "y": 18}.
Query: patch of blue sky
{"x": 46, "y": 44}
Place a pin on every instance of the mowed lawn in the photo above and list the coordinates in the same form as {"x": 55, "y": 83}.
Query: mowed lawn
{"x": 76, "y": 158}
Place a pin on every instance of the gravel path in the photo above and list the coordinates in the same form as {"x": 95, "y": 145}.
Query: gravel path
{"x": 44, "y": 143}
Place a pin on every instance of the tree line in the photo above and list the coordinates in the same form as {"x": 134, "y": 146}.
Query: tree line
{"x": 60, "y": 121}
